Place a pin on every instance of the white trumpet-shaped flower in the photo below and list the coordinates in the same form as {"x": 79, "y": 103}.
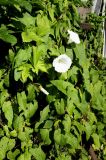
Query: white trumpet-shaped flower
{"x": 73, "y": 37}
{"x": 43, "y": 90}
{"x": 62, "y": 63}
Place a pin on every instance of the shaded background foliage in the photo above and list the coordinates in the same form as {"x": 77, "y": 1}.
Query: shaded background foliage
{"x": 71, "y": 120}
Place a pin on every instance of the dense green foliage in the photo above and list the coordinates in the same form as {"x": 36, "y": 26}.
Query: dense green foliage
{"x": 65, "y": 123}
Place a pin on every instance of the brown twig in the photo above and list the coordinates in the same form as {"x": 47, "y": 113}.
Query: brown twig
{"x": 92, "y": 153}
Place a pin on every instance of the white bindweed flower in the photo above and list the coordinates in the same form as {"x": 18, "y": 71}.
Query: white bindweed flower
{"x": 62, "y": 63}
{"x": 73, "y": 37}
{"x": 43, "y": 90}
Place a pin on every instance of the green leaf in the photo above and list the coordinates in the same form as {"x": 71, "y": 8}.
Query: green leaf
{"x": 67, "y": 123}
{"x": 18, "y": 123}
{"x": 31, "y": 92}
{"x": 92, "y": 118}
{"x": 62, "y": 85}
{"x": 44, "y": 114}
{"x": 22, "y": 101}
{"x": 23, "y": 72}
{"x": 6, "y": 79}
{"x": 84, "y": 154}
{"x": 54, "y": 52}
{"x": 40, "y": 66}
{"x": 25, "y": 135}
{"x": 21, "y": 157}
{"x": 94, "y": 75}
{"x": 59, "y": 138}
{"x": 36, "y": 55}
{"x": 77, "y": 114}
{"x": 38, "y": 153}
{"x": 6, "y": 36}
{"x": 27, "y": 5}
{"x": 43, "y": 24}
{"x": 60, "y": 106}
{"x": 62, "y": 156}
{"x": 2, "y": 71}
{"x": 4, "y": 95}
{"x": 6, "y": 130}
{"x": 45, "y": 136}
{"x": 96, "y": 140}
{"x": 72, "y": 140}
{"x": 89, "y": 129}
{"x": 12, "y": 155}
{"x": 13, "y": 133}
{"x": 27, "y": 20}
{"x": 48, "y": 124}
{"x": 8, "y": 112}
{"x": 31, "y": 109}
{"x": 17, "y": 74}
{"x": 38, "y": 52}
{"x": 73, "y": 94}
{"x": 80, "y": 54}
{"x": 22, "y": 137}
{"x": 1, "y": 132}
{"x": 79, "y": 126}
{"x": 73, "y": 71}
{"x": 22, "y": 56}
{"x": 98, "y": 87}
{"x": 70, "y": 107}
{"x": 30, "y": 35}
{"x": 6, "y": 144}
{"x": 25, "y": 156}
{"x": 11, "y": 56}
{"x": 51, "y": 12}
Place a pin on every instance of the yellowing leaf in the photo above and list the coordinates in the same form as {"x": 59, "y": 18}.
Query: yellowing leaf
{"x": 29, "y": 35}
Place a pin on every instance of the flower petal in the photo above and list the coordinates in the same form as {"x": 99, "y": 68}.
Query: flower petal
{"x": 43, "y": 90}
{"x": 73, "y": 37}
{"x": 62, "y": 63}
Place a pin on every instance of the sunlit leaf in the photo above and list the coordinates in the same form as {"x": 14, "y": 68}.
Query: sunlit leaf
{"x": 59, "y": 138}
{"x": 6, "y": 144}
{"x": 38, "y": 153}
{"x": 96, "y": 140}
{"x": 31, "y": 109}
{"x": 27, "y": 20}
{"x": 12, "y": 155}
{"x": 8, "y": 112}
{"x": 45, "y": 136}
